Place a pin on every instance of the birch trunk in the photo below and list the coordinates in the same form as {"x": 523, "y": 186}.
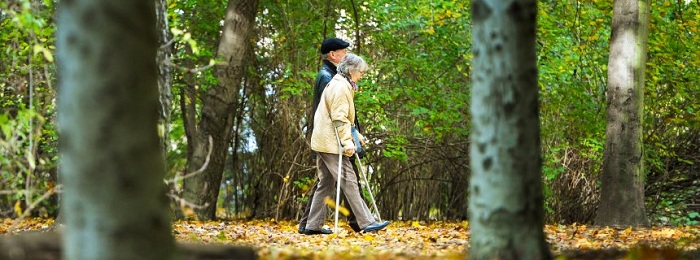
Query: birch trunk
{"x": 506, "y": 200}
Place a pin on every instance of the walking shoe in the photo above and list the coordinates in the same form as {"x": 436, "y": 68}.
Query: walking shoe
{"x": 355, "y": 227}
{"x": 376, "y": 226}
{"x": 323, "y": 231}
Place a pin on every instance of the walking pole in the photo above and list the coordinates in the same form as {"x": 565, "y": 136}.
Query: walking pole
{"x": 340, "y": 176}
{"x": 364, "y": 178}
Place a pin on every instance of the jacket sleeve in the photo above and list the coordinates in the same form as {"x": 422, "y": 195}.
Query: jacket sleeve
{"x": 340, "y": 108}
{"x": 321, "y": 82}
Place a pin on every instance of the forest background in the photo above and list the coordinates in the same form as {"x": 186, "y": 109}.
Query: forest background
{"x": 412, "y": 105}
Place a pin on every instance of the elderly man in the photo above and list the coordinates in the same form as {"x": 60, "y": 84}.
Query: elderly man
{"x": 333, "y": 50}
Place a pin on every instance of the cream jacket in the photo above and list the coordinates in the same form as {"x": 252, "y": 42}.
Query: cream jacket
{"x": 338, "y": 99}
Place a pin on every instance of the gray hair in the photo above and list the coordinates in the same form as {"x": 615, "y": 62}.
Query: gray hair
{"x": 351, "y": 63}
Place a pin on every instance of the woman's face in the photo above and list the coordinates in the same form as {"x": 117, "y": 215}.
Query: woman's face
{"x": 356, "y": 75}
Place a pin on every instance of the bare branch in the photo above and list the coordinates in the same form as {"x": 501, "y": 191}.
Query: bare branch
{"x": 204, "y": 166}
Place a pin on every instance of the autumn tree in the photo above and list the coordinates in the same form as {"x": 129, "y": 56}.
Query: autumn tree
{"x": 220, "y": 107}
{"x": 622, "y": 177}
{"x": 114, "y": 202}
{"x": 506, "y": 200}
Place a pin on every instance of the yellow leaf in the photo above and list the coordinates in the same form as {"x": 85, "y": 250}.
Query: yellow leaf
{"x": 582, "y": 243}
{"x": 18, "y": 208}
{"x": 667, "y": 232}
{"x": 369, "y": 237}
{"x": 416, "y": 224}
{"x": 38, "y": 48}
{"x": 188, "y": 212}
{"x": 331, "y": 203}
{"x": 332, "y": 236}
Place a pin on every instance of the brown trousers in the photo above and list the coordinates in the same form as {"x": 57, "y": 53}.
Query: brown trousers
{"x": 327, "y": 172}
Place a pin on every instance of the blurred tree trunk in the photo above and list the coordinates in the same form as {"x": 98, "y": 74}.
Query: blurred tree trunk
{"x": 622, "y": 178}
{"x": 164, "y": 73}
{"x": 114, "y": 201}
{"x": 220, "y": 107}
{"x": 506, "y": 201}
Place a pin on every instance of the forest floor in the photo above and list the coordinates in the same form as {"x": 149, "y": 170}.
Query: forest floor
{"x": 418, "y": 240}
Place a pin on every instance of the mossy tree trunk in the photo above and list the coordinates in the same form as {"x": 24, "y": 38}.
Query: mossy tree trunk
{"x": 114, "y": 203}
{"x": 220, "y": 107}
{"x": 622, "y": 178}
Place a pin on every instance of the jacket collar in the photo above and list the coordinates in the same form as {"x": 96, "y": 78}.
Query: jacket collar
{"x": 328, "y": 64}
{"x": 347, "y": 82}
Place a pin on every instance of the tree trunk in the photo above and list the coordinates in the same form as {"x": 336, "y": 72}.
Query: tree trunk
{"x": 114, "y": 201}
{"x": 220, "y": 106}
{"x": 47, "y": 245}
{"x": 164, "y": 73}
{"x": 506, "y": 200}
{"x": 622, "y": 178}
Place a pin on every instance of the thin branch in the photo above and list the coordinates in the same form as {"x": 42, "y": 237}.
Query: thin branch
{"x": 167, "y": 44}
{"x": 204, "y": 166}
{"x": 193, "y": 70}
{"x": 31, "y": 207}
{"x": 182, "y": 202}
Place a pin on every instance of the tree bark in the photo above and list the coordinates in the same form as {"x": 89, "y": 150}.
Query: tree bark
{"x": 506, "y": 200}
{"x": 114, "y": 201}
{"x": 220, "y": 106}
{"x": 47, "y": 246}
{"x": 164, "y": 73}
{"x": 622, "y": 177}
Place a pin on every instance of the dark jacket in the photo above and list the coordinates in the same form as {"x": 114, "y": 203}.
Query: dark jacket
{"x": 328, "y": 70}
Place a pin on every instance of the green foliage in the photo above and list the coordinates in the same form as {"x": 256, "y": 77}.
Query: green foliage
{"x": 304, "y": 184}
{"x": 417, "y": 89}
{"x": 693, "y": 218}
{"x": 24, "y": 174}
{"x": 572, "y": 60}
{"x": 413, "y": 102}
{"x": 195, "y": 27}
{"x": 671, "y": 112}
{"x": 28, "y": 149}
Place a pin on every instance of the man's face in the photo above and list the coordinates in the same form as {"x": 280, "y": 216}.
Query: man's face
{"x": 337, "y": 55}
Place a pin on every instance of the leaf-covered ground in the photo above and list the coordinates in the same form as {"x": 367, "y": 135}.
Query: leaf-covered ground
{"x": 414, "y": 240}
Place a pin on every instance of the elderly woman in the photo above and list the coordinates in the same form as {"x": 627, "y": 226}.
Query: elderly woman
{"x": 336, "y": 111}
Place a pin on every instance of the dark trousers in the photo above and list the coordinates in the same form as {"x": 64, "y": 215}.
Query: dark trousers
{"x": 352, "y": 221}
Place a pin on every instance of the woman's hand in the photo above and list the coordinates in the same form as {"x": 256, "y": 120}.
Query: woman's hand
{"x": 349, "y": 151}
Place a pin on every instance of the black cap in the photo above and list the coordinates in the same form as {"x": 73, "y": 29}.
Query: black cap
{"x": 332, "y": 44}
